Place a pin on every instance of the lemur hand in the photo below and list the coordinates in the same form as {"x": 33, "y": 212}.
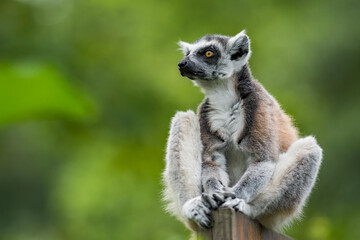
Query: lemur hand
{"x": 198, "y": 211}
{"x": 239, "y": 205}
{"x": 235, "y": 203}
{"x": 217, "y": 197}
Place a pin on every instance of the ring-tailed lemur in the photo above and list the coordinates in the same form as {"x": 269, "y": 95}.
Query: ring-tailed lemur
{"x": 241, "y": 150}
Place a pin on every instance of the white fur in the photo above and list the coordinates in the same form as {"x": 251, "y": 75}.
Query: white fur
{"x": 227, "y": 116}
{"x": 184, "y": 47}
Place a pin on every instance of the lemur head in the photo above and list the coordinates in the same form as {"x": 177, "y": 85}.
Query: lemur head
{"x": 214, "y": 56}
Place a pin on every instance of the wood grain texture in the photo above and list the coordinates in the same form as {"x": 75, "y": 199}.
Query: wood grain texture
{"x": 231, "y": 225}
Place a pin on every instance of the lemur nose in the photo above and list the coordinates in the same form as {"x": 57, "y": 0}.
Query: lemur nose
{"x": 182, "y": 63}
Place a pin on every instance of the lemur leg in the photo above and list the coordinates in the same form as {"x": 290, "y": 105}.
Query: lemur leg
{"x": 182, "y": 175}
{"x": 290, "y": 186}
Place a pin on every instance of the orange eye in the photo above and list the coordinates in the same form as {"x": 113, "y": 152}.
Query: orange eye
{"x": 209, "y": 53}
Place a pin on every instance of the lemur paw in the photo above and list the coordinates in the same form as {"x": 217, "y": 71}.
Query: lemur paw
{"x": 213, "y": 201}
{"x": 216, "y": 198}
{"x": 229, "y": 193}
{"x": 198, "y": 211}
{"x": 238, "y": 204}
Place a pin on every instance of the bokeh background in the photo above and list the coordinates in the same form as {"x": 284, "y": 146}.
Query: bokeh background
{"x": 88, "y": 87}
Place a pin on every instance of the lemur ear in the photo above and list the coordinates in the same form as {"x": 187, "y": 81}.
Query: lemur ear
{"x": 184, "y": 47}
{"x": 239, "y": 45}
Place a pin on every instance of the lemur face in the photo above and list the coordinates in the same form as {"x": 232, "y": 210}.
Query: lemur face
{"x": 214, "y": 57}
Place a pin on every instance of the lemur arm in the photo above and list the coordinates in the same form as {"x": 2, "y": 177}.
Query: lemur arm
{"x": 255, "y": 179}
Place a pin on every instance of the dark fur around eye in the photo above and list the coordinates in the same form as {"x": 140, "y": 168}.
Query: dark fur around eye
{"x": 209, "y": 60}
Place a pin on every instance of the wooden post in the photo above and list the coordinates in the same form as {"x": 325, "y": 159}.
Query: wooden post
{"x": 231, "y": 225}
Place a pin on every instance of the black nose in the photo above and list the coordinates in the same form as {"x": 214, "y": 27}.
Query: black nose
{"x": 182, "y": 63}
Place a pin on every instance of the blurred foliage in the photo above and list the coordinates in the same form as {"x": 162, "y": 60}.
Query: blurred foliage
{"x": 30, "y": 90}
{"x": 87, "y": 90}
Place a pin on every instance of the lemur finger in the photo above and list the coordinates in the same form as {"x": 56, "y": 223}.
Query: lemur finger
{"x": 229, "y": 195}
{"x": 237, "y": 204}
{"x": 240, "y": 206}
{"x": 206, "y": 210}
{"x": 222, "y": 184}
{"x": 202, "y": 220}
{"x": 228, "y": 200}
{"x": 203, "y": 209}
{"x": 205, "y": 224}
{"x": 205, "y": 203}
{"x": 213, "y": 204}
{"x": 231, "y": 203}
{"x": 219, "y": 198}
{"x": 226, "y": 205}
{"x": 228, "y": 192}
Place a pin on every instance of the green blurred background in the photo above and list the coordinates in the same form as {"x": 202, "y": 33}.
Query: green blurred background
{"x": 88, "y": 87}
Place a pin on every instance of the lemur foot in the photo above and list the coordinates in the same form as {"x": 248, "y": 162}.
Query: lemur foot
{"x": 238, "y": 204}
{"x": 198, "y": 211}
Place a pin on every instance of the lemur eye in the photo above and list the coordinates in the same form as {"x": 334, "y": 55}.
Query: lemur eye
{"x": 209, "y": 53}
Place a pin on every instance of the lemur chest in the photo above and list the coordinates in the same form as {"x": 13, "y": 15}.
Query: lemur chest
{"x": 228, "y": 122}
